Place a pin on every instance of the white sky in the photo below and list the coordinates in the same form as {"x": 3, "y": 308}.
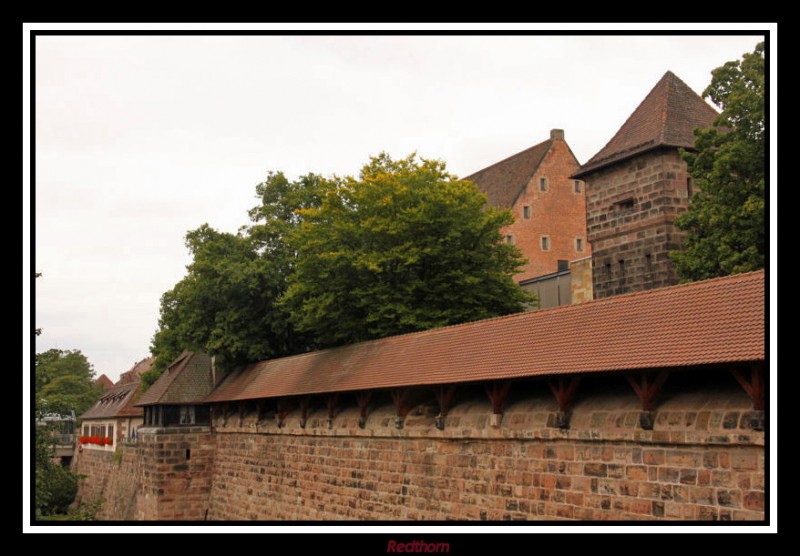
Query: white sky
{"x": 140, "y": 139}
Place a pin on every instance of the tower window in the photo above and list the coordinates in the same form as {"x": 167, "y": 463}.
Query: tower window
{"x": 545, "y": 243}
{"x": 689, "y": 187}
{"x": 577, "y": 184}
{"x": 510, "y": 239}
{"x": 542, "y": 184}
{"x": 579, "y": 244}
{"x": 625, "y": 204}
{"x": 526, "y": 212}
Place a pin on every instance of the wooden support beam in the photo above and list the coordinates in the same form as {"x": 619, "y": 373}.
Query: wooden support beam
{"x": 305, "y": 404}
{"x": 563, "y": 389}
{"x": 242, "y": 412}
{"x": 212, "y": 415}
{"x": 330, "y": 402}
{"x": 285, "y": 406}
{"x": 261, "y": 410}
{"x": 401, "y": 398}
{"x": 363, "y": 398}
{"x": 647, "y": 388}
{"x": 444, "y": 397}
{"x": 754, "y": 386}
{"x": 497, "y": 392}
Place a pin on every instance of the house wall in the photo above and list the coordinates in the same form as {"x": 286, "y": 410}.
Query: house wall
{"x": 657, "y": 181}
{"x": 558, "y": 213}
{"x": 703, "y": 460}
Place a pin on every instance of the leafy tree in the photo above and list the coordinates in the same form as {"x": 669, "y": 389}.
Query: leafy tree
{"x": 227, "y": 303}
{"x": 404, "y": 247}
{"x": 64, "y": 382}
{"x": 725, "y": 223}
{"x": 55, "y": 487}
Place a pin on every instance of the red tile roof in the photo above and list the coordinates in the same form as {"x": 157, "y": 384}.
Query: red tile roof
{"x": 504, "y": 181}
{"x": 104, "y": 381}
{"x": 187, "y": 381}
{"x": 666, "y": 117}
{"x": 708, "y": 322}
{"x": 117, "y": 401}
{"x": 133, "y": 374}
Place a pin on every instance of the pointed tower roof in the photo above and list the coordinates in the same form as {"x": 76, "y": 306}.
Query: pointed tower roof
{"x": 667, "y": 116}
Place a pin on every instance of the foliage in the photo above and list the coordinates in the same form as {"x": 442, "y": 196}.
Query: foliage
{"x": 64, "y": 382}
{"x": 55, "y": 487}
{"x": 404, "y": 247}
{"x": 725, "y": 223}
{"x": 227, "y": 303}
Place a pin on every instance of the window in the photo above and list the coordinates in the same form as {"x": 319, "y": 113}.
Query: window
{"x": 526, "y": 212}
{"x": 579, "y": 244}
{"x": 577, "y": 184}
{"x": 542, "y": 184}
{"x": 625, "y": 204}
{"x": 648, "y": 263}
{"x": 110, "y": 432}
{"x": 187, "y": 415}
{"x": 622, "y": 268}
{"x": 545, "y": 243}
{"x": 689, "y": 187}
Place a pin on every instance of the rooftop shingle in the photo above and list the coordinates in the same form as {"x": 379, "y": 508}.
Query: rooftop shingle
{"x": 188, "y": 380}
{"x": 117, "y": 401}
{"x": 667, "y": 116}
{"x": 504, "y": 181}
{"x": 703, "y": 323}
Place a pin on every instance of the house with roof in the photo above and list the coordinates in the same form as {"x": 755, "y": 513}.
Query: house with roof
{"x": 103, "y": 382}
{"x": 176, "y": 398}
{"x": 114, "y": 418}
{"x": 549, "y": 214}
{"x": 636, "y": 186}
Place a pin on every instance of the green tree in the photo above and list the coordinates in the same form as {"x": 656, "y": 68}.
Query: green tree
{"x": 227, "y": 303}
{"x": 405, "y": 247}
{"x": 64, "y": 382}
{"x": 725, "y": 223}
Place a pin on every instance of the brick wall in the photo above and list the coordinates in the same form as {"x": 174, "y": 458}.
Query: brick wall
{"x": 657, "y": 183}
{"x": 702, "y": 461}
{"x": 558, "y": 213}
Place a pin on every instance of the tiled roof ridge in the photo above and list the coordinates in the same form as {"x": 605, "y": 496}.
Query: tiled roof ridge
{"x": 550, "y": 310}
{"x": 513, "y": 156}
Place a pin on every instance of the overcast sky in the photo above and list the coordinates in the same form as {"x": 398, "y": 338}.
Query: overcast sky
{"x": 140, "y": 139}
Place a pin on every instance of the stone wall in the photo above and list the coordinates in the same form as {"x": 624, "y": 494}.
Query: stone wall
{"x": 631, "y": 245}
{"x": 702, "y": 461}
{"x": 581, "y": 280}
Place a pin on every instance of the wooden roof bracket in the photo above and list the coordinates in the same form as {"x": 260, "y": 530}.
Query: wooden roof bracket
{"x": 497, "y": 392}
{"x": 647, "y": 389}
{"x": 363, "y": 398}
{"x": 444, "y": 396}
{"x": 242, "y": 407}
{"x": 401, "y": 398}
{"x": 285, "y": 406}
{"x": 756, "y": 389}
{"x": 305, "y": 404}
{"x": 563, "y": 389}
{"x": 330, "y": 402}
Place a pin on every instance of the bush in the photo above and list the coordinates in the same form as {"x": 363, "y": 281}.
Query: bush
{"x": 56, "y": 488}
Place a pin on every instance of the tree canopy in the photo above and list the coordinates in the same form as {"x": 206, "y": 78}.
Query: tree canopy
{"x": 64, "y": 382}
{"x": 404, "y": 247}
{"x": 726, "y": 223}
{"x": 326, "y": 261}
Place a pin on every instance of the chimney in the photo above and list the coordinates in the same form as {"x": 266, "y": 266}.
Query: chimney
{"x": 557, "y": 134}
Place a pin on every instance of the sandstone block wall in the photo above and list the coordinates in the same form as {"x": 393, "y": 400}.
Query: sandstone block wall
{"x": 631, "y": 246}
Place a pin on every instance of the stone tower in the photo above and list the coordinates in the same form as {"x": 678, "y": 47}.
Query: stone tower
{"x": 635, "y": 187}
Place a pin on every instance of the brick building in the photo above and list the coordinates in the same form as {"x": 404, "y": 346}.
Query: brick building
{"x": 548, "y": 206}
{"x": 637, "y": 185}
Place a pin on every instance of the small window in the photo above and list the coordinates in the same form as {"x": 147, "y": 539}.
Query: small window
{"x": 689, "y": 187}
{"x": 622, "y": 267}
{"x": 187, "y": 415}
{"x": 542, "y": 184}
{"x": 110, "y": 433}
{"x": 545, "y": 243}
{"x": 579, "y": 244}
{"x": 648, "y": 263}
{"x": 577, "y": 184}
{"x": 625, "y": 204}
{"x": 526, "y": 212}
{"x": 510, "y": 239}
